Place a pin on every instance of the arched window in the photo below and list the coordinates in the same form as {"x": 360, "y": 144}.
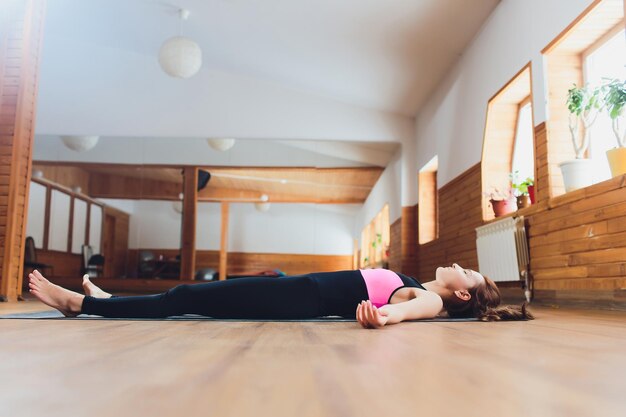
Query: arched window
{"x": 508, "y": 145}
{"x": 427, "y": 214}
{"x": 580, "y": 54}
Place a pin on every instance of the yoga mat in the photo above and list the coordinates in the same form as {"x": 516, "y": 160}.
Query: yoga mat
{"x": 55, "y": 315}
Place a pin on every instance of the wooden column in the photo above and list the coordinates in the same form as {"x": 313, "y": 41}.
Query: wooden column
{"x": 21, "y": 27}
{"x": 224, "y": 242}
{"x": 188, "y": 249}
{"x": 409, "y": 233}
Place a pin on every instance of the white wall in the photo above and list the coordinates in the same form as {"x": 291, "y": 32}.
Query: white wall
{"x": 285, "y": 228}
{"x": 388, "y": 189}
{"x": 127, "y": 206}
{"x": 451, "y": 124}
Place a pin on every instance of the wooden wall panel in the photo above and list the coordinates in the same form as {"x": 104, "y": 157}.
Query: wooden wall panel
{"x": 408, "y": 247}
{"x": 117, "y": 186}
{"x": 21, "y": 28}
{"x": 542, "y": 168}
{"x": 577, "y": 240}
{"x": 64, "y": 264}
{"x": 188, "y": 232}
{"x": 116, "y": 267}
{"x": 395, "y": 246}
{"x": 578, "y": 246}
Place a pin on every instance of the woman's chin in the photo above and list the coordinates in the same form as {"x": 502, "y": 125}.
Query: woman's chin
{"x": 437, "y": 272}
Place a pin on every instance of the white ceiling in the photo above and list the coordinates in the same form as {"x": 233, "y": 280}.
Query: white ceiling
{"x": 383, "y": 55}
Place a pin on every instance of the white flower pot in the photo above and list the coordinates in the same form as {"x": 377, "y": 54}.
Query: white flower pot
{"x": 577, "y": 173}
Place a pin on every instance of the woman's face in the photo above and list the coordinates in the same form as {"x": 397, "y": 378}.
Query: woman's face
{"x": 456, "y": 278}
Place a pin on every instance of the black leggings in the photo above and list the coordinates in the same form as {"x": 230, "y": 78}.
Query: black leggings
{"x": 294, "y": 297}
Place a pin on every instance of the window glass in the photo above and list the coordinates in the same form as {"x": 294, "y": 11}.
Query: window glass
{"x": 605, "y": 62}
{"x": 375, "y": 239}
{"x": 427, "y": 216}
{"x": 59, "y": 221}
{"x": 95, "y": 228}
{"x": 523, "y": 151}
{"x": 36, "y": 213}
{"x": 80, "y": 225}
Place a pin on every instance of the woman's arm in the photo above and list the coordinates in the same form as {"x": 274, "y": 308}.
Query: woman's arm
{"x": 425, "y": 305}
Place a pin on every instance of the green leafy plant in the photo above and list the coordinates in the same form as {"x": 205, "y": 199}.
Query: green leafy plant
{"x": 584, "y": 105}
{"x": 378, "y": 240}
{"x": 615, "y": 102}
{"x": 520, "y": 187}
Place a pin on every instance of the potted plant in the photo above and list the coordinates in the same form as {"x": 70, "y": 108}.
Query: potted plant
{"x": 615, "y": 102}
{"x": 502, "y": 202}
{"x": 531, "y": 190}
{"x": 522, "y": 190}
{"x": 584, "y": 105}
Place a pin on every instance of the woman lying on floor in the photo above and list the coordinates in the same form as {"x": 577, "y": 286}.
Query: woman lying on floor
{"x": 374, "y": 297}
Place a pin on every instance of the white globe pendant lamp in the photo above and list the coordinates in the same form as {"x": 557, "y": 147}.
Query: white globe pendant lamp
{"x": 80, "y": 143}
{"x": 180, "y": 57}
{"x": 221, "y": 144}
{"x": 178, "y": 205}
{"x": 264, "y": 204}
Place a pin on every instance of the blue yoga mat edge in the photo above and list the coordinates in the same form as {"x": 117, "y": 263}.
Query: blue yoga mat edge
{"x": 55, "y": 315}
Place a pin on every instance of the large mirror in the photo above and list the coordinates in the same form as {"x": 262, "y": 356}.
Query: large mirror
{"x": 115, "y": 207}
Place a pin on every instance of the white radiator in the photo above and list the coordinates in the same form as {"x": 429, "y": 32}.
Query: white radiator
{"x": 503, "y": 251}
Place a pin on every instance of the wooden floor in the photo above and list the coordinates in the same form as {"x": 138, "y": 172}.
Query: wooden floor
{"x": 566, "y": 363}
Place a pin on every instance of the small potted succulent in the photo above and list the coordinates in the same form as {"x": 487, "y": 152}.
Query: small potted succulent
{"x": 522, "y": 190}
{"x": 584, "y": 105}
{"x": 615, "y": 102}
{"x": 502, "y": 202}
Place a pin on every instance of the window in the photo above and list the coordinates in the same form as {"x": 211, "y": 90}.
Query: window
{"x": 603, "y": 61}
{"x": 59, "y": 221}
{"x": 36, "y": 213}
{"x": 578, "y": 55}
{"x": 523, "y": 150}
{"x": 427, "y": 214}
{"x": 375, "y": 239}
{"x": 509, "y": 142}
{"x": 79, "y": 229}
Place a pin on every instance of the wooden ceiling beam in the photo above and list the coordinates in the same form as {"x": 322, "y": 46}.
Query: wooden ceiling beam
{"x": 236, "y": 184}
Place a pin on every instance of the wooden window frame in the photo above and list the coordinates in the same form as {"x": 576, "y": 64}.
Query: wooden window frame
{"x": 527, "y": 100}
{"x": 428, "y": 208}
{"x": 500, "y": 134}
{"x": 380, "y": 223}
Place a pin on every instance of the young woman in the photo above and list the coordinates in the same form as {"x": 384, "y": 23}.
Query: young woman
{"x": 374, "y": 297}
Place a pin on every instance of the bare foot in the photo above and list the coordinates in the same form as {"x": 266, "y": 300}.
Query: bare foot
{"x": 92, "y": 289}
{"x": 67, "y": 302}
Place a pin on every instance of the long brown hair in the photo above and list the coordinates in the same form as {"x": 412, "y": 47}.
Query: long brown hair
{"x": 484, "y": 305}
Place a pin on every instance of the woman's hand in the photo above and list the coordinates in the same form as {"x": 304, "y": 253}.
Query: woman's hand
{"x": 371, "y": 317}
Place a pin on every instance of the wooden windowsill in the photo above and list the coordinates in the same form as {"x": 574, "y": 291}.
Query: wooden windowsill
{"x": 527, "y": 211}
{"x": 567, "y": 198}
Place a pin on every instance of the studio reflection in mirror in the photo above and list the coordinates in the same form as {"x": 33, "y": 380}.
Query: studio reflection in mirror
{"x": 197, "y": 209}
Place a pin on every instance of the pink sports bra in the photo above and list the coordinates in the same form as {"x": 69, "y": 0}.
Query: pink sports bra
{"x": 381, "y": 285}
